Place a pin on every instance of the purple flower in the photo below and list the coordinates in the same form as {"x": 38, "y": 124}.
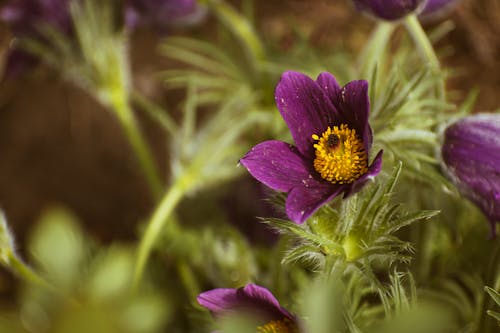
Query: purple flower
{"x": 389, "y": 9}
{"x": 25, "y": 18}
{"x": 471, "y": 156}
{"x": 251, "y": 300}
{"x": 163, "y": 14}
{"x": 435, "y": 8}
{"x": 329, "y": 125}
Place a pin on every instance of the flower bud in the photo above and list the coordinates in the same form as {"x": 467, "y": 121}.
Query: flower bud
{"x": 471, "y": 158}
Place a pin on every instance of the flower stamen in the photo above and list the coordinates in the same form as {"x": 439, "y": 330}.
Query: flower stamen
{"x": 340, "y": 155}
{"x": 278, "y": 326}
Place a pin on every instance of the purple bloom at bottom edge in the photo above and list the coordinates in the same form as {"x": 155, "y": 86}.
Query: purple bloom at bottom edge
{"x": 329, "y": 125}
{"x": 389, "y": 9}
{"x": 252, "y": 300}
{"x": 471, "y": 157}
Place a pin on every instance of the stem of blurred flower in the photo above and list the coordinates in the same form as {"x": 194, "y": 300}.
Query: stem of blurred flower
{"x": 374, "y": 50}
{"x": 241, "y": 28}
{"x": 18, "y": 267}
{"x": 139, "y": 145}
{"x": 156, "y": 224}
{"x": 22, "y": 270}
{"x": 421, "y": 39}
{"x": 188, "y": 279}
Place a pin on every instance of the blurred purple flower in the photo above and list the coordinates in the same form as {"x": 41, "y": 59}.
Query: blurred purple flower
{"x": 435, "y": 8}
{"x": 25, "y": 18}
{"x": 389, "y": 9}
{"x": 329, "y": 125}
{"x": 163, "y": 14}
{"x": 252, "y": 300}
{"x": 471, "y": 156}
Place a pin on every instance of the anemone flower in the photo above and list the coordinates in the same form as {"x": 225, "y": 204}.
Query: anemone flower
{"x": 389, "y": 9}
{"x": 252, "y": 300}
{"x": 162, "y": 15}
{"x": 329, "y": 125}
{"x": 471, "y": 158}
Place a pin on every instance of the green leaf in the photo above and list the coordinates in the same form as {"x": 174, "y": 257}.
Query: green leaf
{"x": 493, "y": 314}
{"x": 410, "y": 218}
{"x": 6, "y": 240}
{"x": 493, "y": 293}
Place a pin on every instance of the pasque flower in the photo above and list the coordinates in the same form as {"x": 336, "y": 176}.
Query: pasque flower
{"x": 471, "y": 158}
{"x": 329, "y": 125}
{"x": 389, "y": 9}
{"x": 252, "y": 300}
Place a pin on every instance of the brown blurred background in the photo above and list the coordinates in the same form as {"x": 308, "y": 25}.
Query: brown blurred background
{"x": 59, "y": 146}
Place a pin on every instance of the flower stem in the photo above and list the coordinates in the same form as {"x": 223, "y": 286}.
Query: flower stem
{"x": 138, "y": 144}
{"x": 19, "y": 268}
{"x": 373, "y": 52}
{"x": 241, "y": 28}
{"x": 424, "y": 44}
{"x": 155, "y": 226}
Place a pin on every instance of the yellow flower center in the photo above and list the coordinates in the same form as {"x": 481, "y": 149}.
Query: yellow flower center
{"x": 284, "y": 325}
{"x": 340, "y": 155}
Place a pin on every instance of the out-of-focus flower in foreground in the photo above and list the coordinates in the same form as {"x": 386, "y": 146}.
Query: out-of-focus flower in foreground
{"x": 471, "y": 158}
{"x": 437, "y": 8}
{"x": 329, "y": 125}
{"x": 389, "y": 9}
{"x": 254, "y": 301}
{"x": 26, "y": 18}
{"x": 162, "y": 15}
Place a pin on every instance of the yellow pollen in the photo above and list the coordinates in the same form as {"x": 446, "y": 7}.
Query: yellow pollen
{"x": 284, "y": 325}
{"x": 340, "y": 155}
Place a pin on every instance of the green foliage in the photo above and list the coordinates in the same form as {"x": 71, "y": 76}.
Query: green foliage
{"x": 495, "y": 295}
{"x": 89, "y": 286}
{"x": 358, "y": 230}
{"x": 360, "y": 264}
{"x": 207, "y": 154}
{"x": 97, "y": 59}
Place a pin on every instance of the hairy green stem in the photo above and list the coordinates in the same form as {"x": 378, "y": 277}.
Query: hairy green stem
{"x": 155, "y": 226}
{"x": 241, "y": 28}
{"x": 138, "y": 144}
{"x": 424, "y": 44}
{"x": 19, "y": 268}
{"x": 372, "y": 54}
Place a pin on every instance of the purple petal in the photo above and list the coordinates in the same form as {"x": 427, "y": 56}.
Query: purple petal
{"x": 164, "y": 14}
{"x": 303, "y": 201}
{"x": 437, "y": 8}
{"x": 305, "y": 109}
{"x": 471, "y": 154}
{"x": 389, "y": 9}
{"x": 276, "y": 164}
{"x": 328, "y": 83}
{"x": 353, "y": 103}
{"x": 373, "y": 170}
{"x": 252, "y": 299}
